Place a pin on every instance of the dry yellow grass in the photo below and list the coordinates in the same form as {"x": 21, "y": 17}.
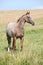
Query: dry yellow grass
{"x": 13, "y": 15}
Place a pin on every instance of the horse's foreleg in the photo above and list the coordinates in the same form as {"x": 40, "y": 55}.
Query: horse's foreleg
{"x": 14, "y": 43}
{"x": 21, "y": 42}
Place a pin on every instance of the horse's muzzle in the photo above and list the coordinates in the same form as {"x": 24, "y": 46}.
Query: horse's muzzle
{"x": 33, "y": 24}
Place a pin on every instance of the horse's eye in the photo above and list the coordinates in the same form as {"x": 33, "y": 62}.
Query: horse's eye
{"x": 28, "y": 17}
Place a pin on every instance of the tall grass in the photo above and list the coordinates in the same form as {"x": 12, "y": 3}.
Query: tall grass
{"x": 32, "y": 53}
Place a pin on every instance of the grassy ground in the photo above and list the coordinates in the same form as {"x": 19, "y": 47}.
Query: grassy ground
{"x": 32, "y": 53}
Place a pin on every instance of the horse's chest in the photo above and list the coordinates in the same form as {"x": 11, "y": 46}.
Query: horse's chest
{"x": 19, "y": 32}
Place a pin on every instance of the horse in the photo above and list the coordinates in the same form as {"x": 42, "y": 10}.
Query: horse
{"x": 15, "y": 30}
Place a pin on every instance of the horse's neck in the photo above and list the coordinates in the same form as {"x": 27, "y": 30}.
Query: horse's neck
{"x": 21, "y": 24}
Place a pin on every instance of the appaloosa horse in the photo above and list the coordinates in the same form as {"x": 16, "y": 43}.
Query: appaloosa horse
{"x": 16, "y": 30}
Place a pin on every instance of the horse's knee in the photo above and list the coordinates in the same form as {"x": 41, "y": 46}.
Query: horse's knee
{"x": 21, "y": 42}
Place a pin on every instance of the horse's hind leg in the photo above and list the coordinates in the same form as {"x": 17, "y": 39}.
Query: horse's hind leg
{"x": 9, "y": 43}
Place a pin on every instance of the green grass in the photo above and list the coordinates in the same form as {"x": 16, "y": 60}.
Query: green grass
{"x": 32, "y": 53}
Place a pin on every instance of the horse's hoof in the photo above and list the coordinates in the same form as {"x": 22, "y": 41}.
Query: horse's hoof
{"x": 14, "y": 49}
{"x": 21, "y": 49}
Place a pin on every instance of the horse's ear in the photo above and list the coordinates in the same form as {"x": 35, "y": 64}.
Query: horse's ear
{"x": 28, "y": 13}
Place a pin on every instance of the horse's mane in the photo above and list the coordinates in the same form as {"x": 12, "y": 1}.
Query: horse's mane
{"x": 20, "y": 18}
{"x": 23, "y": 16}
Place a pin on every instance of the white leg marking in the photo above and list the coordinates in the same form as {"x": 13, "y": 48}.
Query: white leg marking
{"x": 8, "y": 49}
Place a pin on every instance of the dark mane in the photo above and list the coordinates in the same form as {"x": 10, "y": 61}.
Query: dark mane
{"x": 23, "y": 15}
{"x": 20, "y": 18}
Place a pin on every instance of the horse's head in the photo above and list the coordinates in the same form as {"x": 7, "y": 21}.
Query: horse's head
{"x": 28, "y": 19}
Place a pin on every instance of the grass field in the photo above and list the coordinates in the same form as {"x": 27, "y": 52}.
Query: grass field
{"x": 32, "y": 53}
